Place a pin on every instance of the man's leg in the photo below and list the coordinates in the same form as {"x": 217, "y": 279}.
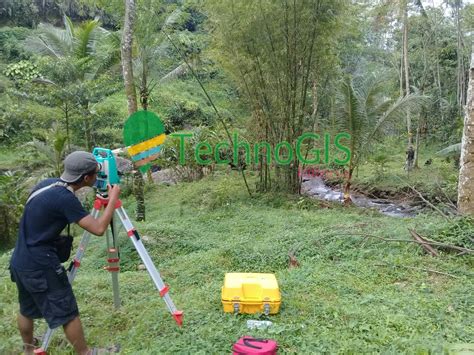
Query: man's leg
{"x": 75, "y": 335}
{"x": 25, "y": 325}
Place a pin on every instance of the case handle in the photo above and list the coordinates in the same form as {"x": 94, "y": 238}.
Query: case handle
{"x": 248, "y": 340}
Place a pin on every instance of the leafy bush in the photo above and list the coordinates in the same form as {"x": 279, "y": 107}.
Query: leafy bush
{"x": 458, "y": 232}
{"x": 10, "y": 43}
{"x": 12, "y": 199}
{"x": 185, "y": 113}
{"x": 22, "y": 72}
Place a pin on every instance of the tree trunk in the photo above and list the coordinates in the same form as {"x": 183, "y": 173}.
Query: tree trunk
{"x": 417, "y": 144}
{"x": 126, "y": 53}
{"x": 347, "y": 187}
{"x": 87, "y": 127}
{"x": 139, "y": 193}
{"x": 466, "y": 171}
{"x": 144, "y": 93}
{"x": 405, "y": 65}
{"x": 66, "y": 115}
{"x": 408, "y": 163}
{"x": 460, "y": 58}
{"x": 127, "y": 71}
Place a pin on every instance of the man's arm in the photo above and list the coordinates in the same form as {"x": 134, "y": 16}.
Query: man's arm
{"x": 99, "y": 226}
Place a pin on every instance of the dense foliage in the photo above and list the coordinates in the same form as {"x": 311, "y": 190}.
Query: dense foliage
{"x": 274, "y": 69}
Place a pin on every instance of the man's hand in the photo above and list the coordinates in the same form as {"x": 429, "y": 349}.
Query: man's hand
{"x": 99, "y": 226}
{"x": 113, "y": 192}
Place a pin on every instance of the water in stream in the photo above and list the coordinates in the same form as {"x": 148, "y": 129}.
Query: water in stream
{"x": 314, "y": 186}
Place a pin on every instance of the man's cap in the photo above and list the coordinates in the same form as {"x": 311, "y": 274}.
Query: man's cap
{"x": 77, "y": 164}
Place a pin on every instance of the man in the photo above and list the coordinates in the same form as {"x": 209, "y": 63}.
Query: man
{"x": 43, "y": 288}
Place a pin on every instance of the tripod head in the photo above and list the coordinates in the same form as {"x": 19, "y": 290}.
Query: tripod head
{"x": 108, "y": 173}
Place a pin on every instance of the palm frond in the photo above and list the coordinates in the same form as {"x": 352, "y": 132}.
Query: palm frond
{"x": 69, "y": 31}
{"x": 59, "y": 144}
{"x": 381, "y": 107}
{"x": 452, "y": 150}
{"x": 180, "y": 70}
{"x": 85, "y": 38}
{"x": 367, "y": 89}
{"x": 397, "y": 111}
{"x": 172, "y": 18}
{"x": 44, "y": 150}
{"x": 48, "y": 40}
{"x": 107, "y": 52}
{"x": 162, "y": 49}
{"x": 352, "y": 114}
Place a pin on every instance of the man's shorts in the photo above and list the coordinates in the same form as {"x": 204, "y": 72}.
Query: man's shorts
{"x": 46, "y": 294}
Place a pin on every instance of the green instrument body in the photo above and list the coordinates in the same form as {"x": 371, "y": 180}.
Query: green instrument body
{"x": 108, "y": 173}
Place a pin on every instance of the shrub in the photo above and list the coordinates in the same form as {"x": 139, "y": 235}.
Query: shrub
{"x": 22, "y": 72}
{"x": 12, "y": 199}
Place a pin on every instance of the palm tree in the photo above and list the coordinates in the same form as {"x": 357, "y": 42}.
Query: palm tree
{"x": 82, "y": 52}
{"x": 76, "y": 42}
{"x": 363, "y": 112}
{"x": 49, "y": 154}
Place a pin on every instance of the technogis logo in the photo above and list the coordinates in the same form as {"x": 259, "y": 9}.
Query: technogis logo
{"x": 283, "y": 152}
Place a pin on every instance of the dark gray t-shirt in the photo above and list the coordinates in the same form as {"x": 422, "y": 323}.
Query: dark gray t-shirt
{"x": 44, "y": 218}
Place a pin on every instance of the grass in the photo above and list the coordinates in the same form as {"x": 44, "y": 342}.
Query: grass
{"x": 347, "y": 296}
{"x": 434, "y": 181}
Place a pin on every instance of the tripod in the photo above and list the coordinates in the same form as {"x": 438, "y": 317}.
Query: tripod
{"x": 113, "y": 263}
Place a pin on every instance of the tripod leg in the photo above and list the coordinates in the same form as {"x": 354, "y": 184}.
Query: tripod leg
{"x": 154, "y": 274}
{"x": 113, "y": 262}
{"x": 72, "y": 271}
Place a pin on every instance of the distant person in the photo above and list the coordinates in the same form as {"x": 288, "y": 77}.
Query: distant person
{"x": 43, "y": 287}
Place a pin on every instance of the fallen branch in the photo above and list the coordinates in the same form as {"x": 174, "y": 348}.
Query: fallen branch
{"x": 421, "y": 269}
{"x": 424, "y": 244}
{"x": 453, "y": 206}
{"x": 430, "y": 204}
{"x": 426, "y": 201}
{"x": 445, "y": 246}
{"x": 432, "y": 243}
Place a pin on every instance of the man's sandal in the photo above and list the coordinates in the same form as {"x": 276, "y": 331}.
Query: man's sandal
{"x": 35, "y": 344}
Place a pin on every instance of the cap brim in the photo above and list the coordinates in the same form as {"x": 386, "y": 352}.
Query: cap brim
{"x": 67, "y": 177}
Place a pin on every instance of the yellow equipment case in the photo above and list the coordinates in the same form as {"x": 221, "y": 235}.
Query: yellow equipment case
{"x": 251, "y": 293}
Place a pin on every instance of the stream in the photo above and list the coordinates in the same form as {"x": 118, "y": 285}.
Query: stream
{"x": 315, "y": 186}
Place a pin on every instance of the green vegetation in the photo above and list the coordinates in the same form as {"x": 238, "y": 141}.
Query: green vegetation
{"x": 436, "y": 181}
{"x": 393, "y": 74}
{"x": 349, "y": 294}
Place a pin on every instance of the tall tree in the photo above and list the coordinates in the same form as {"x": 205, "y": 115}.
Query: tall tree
{"x": 126, "y": 51}
{"x": 77, "y": 62}
{"x": 276, "y": 51}
{"x": 461, "y": 70}
{"x": 466, "y": 172}
{"x": 127, "y": 72}
{"x": 363, "y": 112}
{"x": 405, "y": 66}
